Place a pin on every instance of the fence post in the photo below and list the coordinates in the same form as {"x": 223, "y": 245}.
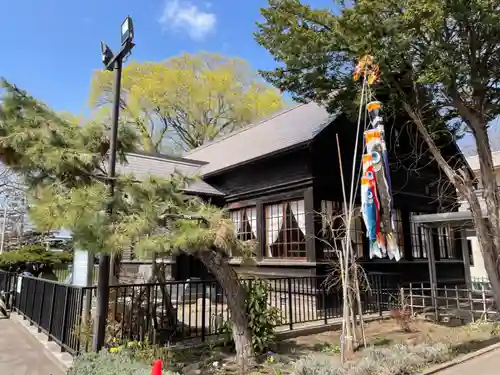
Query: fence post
{"x": 424, "y": 297}
{"x": 446, "y": 295}
{"x": 24, "y": 288}
{"x": 402, "y": 296}
{"x": 203, "y": 310}
{"x": 12, "y": 290}
{"x": 65, "y": 314}
{"x": 51, "y": 313}
{"x": 290, "y": 310}
{"x": 323, "y": 297}
{"x": 379, "y": 302}
{"x": 411, "y": 300}
{"x": 39, "y": 321}
{"x": 80, "y": 320}
{"x": 32, "y": 312}
{"x": 471, "y": 304}
{"x": 483, "y": 296}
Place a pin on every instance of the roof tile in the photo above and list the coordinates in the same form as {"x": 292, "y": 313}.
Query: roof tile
{"x": 285, "y": 129}
{"x": 143, "y": 165}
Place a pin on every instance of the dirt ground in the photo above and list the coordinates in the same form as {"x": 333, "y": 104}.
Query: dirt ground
{"x": 388, "y": 332}
{"x": 216, "y": 360}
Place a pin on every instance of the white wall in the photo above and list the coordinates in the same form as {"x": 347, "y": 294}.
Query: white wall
{"x": 477, "y": 270}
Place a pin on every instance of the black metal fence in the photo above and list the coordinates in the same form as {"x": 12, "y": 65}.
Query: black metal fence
{"x": 54, "y": 308}
{"x": 177, "y": 311}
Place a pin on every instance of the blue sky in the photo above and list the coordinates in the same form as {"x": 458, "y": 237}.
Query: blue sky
{"x": 51, "y": 47}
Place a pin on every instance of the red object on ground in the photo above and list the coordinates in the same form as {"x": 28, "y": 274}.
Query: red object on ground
{"x": 156, "y": 370}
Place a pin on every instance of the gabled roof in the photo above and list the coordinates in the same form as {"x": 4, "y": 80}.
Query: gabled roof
{"x": 143, "y": 165}
{"x": 288, "y": 128}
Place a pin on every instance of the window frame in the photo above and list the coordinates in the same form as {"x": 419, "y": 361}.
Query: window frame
{"x": 284, "y": 233}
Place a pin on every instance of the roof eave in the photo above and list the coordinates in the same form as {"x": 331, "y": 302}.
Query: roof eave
{"x": 456, "y": 218}
{"x": 200, "y": 192}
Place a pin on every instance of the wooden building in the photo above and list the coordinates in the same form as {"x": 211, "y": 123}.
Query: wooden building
{"x": 278, "y": 175}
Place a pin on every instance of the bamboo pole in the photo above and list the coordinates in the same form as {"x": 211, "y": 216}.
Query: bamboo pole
{"x": 345, "y": 339}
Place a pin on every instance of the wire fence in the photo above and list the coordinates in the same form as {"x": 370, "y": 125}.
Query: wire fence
{"x": 447, "y": 303}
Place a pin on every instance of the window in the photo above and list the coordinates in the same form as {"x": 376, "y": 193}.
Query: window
{"x": 443, "y": 238}
{"x": 285, "y": 230}
{"x": 334, "y": 229}
{"x": 400, "y": 233}
{"x": 245, "y": 223}
{"x": 471, "y": 255}
{"x": 418, "y": 247}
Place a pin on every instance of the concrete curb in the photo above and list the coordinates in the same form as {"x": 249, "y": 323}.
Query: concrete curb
{"x": 459, "y": 360}
{"x": 61, "y": 359}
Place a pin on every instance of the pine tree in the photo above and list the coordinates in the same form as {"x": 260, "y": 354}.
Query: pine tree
{"x": 63, "y": 163}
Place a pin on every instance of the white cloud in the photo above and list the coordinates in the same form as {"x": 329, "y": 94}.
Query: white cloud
{"x": 182, "y": 15}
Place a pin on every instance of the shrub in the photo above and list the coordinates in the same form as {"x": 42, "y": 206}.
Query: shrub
{"x": 395, "y": 360}
{"x": 318, "y": 364}
{"x": 33, "y": 254}
{"x": 263, "y": 318}
{"x": 106, "y": 363}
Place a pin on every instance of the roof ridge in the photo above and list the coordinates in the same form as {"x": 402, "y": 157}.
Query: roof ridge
{"x": 245, "y": 128}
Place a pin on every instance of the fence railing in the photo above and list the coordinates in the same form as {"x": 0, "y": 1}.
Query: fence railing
{"x": 176, "y": 311}
{"x": 450, "y": 302}
{"x": 63, "y": 271}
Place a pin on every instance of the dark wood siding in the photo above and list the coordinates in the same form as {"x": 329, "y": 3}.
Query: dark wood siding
{"x": 290, "y": 170}
{"x": 413, "y": 172}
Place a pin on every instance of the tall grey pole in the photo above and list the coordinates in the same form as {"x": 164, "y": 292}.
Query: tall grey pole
{"x": 104, "y": 259}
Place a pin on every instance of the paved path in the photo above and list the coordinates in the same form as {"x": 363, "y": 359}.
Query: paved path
{"x": 486, "y": 364}
{"x": 22, "y": 354}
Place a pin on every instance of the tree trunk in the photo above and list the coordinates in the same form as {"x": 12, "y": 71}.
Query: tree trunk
{"x": 158, "y": 276}
{"x": 236, "y": 300}
{"x": 488, "y": 228}
{"x": 114, "y": 268}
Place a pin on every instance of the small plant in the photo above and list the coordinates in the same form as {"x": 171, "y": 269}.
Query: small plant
{"x": 105, "y": 363}
{"x": 263, "y": 318}
{"x": 328, "y": 348}
{"x": 402, "y": 316}
{"x": 495, "y": 330}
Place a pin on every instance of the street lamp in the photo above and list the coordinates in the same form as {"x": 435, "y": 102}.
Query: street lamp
{"x": 112, "y": 62}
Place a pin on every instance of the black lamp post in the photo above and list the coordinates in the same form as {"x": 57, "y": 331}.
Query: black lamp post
{"x": 111, "y": 62}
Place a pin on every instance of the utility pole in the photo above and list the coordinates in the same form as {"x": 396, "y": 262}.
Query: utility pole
{"x": 114, "y": 63}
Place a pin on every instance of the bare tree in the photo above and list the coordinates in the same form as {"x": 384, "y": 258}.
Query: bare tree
{"x": 345, "y": 274}
{"x": 13, "y": 209}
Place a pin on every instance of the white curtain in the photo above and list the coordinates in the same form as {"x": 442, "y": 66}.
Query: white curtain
{"x": 236, "y": 219}
{"x": 300, "y": 216}
{"x": 238, "y": 223}
{"x": 274, "y": 220}
{"x": 252, "y": 219}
